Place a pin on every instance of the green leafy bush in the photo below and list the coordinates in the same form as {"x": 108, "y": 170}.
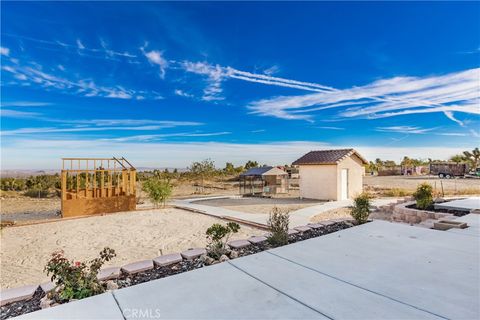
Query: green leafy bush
{"x": 158, "y": 190}
{"x": 424, "y": 196}
{"x": 361, "y": 208}
{"x": 217, "y": 236}
{"x": 76, "y": 280}
{"x": 278, "y": 222}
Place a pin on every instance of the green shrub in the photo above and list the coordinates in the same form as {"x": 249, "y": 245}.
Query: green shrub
{"x": 217, "y": 237}
{"x": 278, "y": 222}
{"x": 35, "y": 193}
{"x": 76, "y": 280}
{"x": 396, "y": 192}
{"x": 424, "y": 196}
{"x": 361, "y": 208}
{"x": 158, "y": 190}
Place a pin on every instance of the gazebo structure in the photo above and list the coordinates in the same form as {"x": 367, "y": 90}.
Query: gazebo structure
{"x": 97, "y": 185}
{"x": 263, "y": 181}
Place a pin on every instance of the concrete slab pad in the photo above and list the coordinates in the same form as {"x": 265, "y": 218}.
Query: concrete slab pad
{"x": 168, "y": 259}
{"x": 108, "y": 273}
{"x": 191, "y": 254}
{"x": 17, "y": 294}
{"x": 138, "y": 266}
{"x": 102, "y": 306}
{"x": 238, "y": 244}
{"x": 257, "y": 239}
{"x": 443, "y": 267}
{"x": 334, "y": 298}
{"x": 467, "y": 204}
{"x": 303, "y": 228}
{"x": 47, "y": 286}
{"x": 216, "y": 292}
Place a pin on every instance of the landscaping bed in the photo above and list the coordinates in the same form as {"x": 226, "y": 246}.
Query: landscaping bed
{"x": 125, "y": 280}
{"x": 456, "y": 213}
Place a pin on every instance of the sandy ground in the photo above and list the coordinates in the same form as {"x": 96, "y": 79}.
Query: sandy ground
{"x": 332, "y": 214}
{"x": 260, "y": 205}
{"x": 410, "y": 183}
{"x": 134, "y": 236}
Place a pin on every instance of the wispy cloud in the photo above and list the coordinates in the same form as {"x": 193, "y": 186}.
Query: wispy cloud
{"x": 24, "y": 104}
{"x": 156, "y": 57}
{"x": 4, "y": 51}
{"x": 7, "y": 113}
{"x": 331, "y": 128}
{"x": 33, "y": 74}
{"x": 404, "y": 129}
{"x": 182, "y": 93}
{"x": 454, "y": 92}
{"x": 215, "y": 75}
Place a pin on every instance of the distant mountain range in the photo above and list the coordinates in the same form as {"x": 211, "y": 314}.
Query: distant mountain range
{"x": 12, "y": 173}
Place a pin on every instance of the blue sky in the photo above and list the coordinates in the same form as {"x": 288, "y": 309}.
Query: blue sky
{"x": 165, "y": 84}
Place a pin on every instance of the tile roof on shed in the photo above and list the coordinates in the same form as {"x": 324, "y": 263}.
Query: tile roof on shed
{"x": 327, "y": 157}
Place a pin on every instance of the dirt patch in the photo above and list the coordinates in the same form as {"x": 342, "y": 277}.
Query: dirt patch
{"x": 399, "y": 186}
{"x": 134, "y": 235}
{"x": 27, "y": 209}
{"x": 331, "y": 214}
{"x": 260, "y": 205}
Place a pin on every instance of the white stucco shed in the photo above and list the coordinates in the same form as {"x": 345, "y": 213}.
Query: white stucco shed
{"x": 331, "y": 174}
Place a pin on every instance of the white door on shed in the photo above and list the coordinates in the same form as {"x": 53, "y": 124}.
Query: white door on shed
{"x": 344, "y": 184}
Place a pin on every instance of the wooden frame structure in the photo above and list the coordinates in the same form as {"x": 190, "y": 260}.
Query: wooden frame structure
{"x": 97, "y": 185}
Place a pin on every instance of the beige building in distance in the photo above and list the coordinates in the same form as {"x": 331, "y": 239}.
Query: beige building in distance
{"x": 331, "y": 174}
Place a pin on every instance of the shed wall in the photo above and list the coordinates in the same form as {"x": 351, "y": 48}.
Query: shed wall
{"x": 356, "y": 171}
{"x": 318, "y": 182}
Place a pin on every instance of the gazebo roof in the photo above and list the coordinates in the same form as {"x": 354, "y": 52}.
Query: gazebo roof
{"x": 264, "y": 171}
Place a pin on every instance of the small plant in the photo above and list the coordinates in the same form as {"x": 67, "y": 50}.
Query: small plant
{"x": 278, "y": 222}
{"x": 361, "y": 208}
{"x": 424, "y": 196}
{"x": 76, "y": 280}
{"x": 217, "y": 236}
{"x": 158, "y": 190}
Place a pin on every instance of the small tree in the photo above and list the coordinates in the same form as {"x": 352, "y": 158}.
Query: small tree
{"x": 158, "y": 190}
{"x": 278, "y": 222}
{"x": 217, "y": 237}
{"x": 76, "y": 280}
{"x": 204, "y": 169}
{"x": 361, "y": 208}
{"x": 424, "y": 196}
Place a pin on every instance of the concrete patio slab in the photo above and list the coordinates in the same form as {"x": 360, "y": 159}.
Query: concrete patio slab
{"x": 138, "y": 266}
{"x": 238, "y": 244}
{"x": 102, "y": 306}
{"x": 467, "y": 204}
{"x": 168, "y": 259}
{"x": 108, "y": 273}
{"x": 216, "y": 292}
{"x": 191, "y": 254}
{"x": 443, "y": 267}
{"x": 17, "y": 294}
{"x": 335, "y": 299}
{"x": 377, "y": 270}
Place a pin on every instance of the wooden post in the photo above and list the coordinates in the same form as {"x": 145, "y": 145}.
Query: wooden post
{"x": 64, "y": 185}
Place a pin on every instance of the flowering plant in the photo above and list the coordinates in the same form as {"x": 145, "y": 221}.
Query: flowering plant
{"x": 76, "y": 280}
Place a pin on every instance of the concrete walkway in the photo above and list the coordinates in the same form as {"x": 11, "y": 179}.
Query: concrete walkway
{"x": 379, "y": 270}
{"x": 299, "y": 217}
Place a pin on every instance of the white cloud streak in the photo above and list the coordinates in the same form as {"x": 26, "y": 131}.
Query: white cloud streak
{"x": 404, "y": 129}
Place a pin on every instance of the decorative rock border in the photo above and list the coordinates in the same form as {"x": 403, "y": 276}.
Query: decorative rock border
{"x": 256, "y": 243}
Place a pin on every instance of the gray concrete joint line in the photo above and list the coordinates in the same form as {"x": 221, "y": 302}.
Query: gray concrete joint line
{"x": 280, "y": 291}
{"x": 118, "y": 305}
{"x": 357, "y": 286}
